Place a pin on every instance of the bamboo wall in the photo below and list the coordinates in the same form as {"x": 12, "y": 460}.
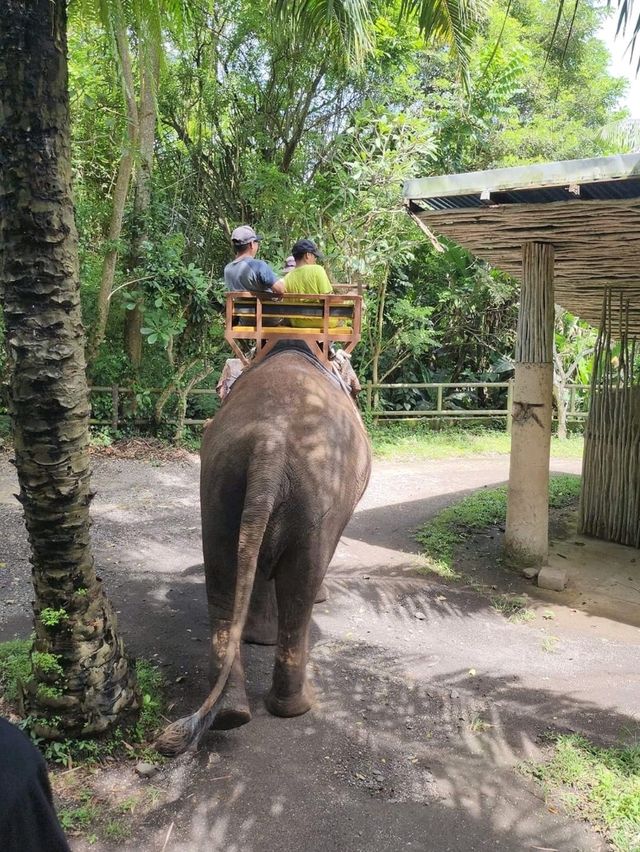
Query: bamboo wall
{"x": 610, "y": 500}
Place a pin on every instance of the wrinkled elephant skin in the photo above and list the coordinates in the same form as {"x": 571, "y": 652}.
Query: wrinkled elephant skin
{"x": 284, "y": 463}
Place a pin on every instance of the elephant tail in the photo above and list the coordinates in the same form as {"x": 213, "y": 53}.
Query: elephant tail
{"x": 259, "y": 501}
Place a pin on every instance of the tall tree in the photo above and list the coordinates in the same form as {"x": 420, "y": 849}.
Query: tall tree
{"x": 81, "y": 678}
{"x": 136, "y": 32}
{"x": 121, "y": 185}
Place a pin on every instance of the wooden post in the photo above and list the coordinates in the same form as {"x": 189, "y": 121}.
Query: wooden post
{"x": 510, "y": 407}
{"x": 527, "y": 529}
{"x": 439, "y": 398}
{"x": 115, "y": 404}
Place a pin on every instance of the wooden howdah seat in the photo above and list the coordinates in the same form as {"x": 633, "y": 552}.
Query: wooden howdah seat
{"x": 318, "y": 320}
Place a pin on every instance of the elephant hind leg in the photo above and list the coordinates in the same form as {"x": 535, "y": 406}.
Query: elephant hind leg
{"x": 296, "y": 589}
{"x": 232, "y": 708}
{"x": 262, "y": 621}
{"x": 232, "y": 711}
{"x": 322, "y": 594}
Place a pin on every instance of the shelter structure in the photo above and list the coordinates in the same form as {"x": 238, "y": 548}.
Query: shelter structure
{"x": 569, "y": 232}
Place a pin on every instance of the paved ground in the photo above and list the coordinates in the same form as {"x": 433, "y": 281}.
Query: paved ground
{"x": 419, "y": 722}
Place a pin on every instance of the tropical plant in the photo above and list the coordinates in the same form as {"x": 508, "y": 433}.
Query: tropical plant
{"x": 136, "y": 33}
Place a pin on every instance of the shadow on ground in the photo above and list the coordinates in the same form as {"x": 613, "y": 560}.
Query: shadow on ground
{"x": 427, "y": 697}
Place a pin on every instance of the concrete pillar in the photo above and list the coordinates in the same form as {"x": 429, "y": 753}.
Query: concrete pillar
{"x": 527, "y": 530}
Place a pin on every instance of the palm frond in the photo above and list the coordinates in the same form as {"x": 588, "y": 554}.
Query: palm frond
{"x": 453, "y": 22}
{"x": 624, "y": 135}
{"x": 347, "y": 22}
{"x": 625, "y": 13}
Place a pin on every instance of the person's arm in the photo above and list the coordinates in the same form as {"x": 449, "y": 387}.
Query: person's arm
{"x": 268, "y": 278}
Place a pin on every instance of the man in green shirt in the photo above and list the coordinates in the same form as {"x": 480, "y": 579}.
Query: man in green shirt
{"x": 307, "y": 277}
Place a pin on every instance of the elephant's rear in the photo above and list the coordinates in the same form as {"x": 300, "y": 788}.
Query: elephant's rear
{"x": 284, "y": 463}
{"x": 290, "y": 419}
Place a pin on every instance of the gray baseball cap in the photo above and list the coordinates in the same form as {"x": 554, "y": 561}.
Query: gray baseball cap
{"x": 243, "y": 235}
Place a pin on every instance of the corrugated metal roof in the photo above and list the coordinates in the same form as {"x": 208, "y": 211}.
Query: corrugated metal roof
{"x": 588, "y": 209}
{"x": 601, "y": 178}
{"x": 609, "y": 190}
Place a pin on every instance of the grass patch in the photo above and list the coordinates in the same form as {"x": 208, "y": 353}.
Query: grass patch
{"x": 117, "y": 830}
{"x": 421, "y": 441}
{"x": 601, "y": 785}
{"x": 478, "y": 725}
{"x": 550, "y": 644}
{"x": 443, "y": 534}
{"x": 151, "y": 684}
{"x": 514, "y": 608}
{"x": 74, "y": 820}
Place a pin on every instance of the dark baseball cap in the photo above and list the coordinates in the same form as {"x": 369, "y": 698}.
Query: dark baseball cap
{"x": 304, "y": 246}
{"x": 244, "y": 235}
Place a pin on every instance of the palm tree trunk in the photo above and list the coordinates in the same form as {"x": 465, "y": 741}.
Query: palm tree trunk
{"x": 81, "y": 679}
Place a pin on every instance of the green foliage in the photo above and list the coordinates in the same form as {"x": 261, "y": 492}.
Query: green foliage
{"x": 573, "y": 358}
{"x": 599, "y": 784}
{"x": 78, "y": 818}
{"x": 150, "y": 684}
{"x": 530, "y": 100}
{"x": 449, "y": 528}
{"x": 46, "y": 691}
{"x": 53, "y": 617}
{"x": 15, "y": 666}
{"x": 47, "y": 664}
{"x": 116, "y": 830}
{"x": 420, "y": 440}
{"x": 270, "y": 125}
{"x": 564, "y": 490}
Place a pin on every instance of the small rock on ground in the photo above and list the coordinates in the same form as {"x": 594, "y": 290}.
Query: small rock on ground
{"x": 552, "y": 578}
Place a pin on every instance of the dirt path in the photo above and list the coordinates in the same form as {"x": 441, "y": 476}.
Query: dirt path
{"x": 419, "y": 721}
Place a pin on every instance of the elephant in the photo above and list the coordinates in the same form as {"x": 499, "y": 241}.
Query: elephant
{"x": 284, "y": 463}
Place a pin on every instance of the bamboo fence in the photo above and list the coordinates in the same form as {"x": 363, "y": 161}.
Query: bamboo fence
{"x": 610, "y": 500}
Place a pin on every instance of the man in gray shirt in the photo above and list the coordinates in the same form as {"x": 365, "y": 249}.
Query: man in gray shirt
{"x": 246, "y": 272}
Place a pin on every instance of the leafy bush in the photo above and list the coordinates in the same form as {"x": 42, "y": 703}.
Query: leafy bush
{"x": 15, "y": 666}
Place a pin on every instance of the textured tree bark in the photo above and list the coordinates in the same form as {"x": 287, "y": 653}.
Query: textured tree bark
{"x": 527, "y": 529}
{"x": 183, "y": 395}
{"x": 120, "y": 193}
{"x": 150, "y": 72}
{"x": 84, "y": 681}
{"x": 377, "y": 341}
{"x": 561, "y": 408}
